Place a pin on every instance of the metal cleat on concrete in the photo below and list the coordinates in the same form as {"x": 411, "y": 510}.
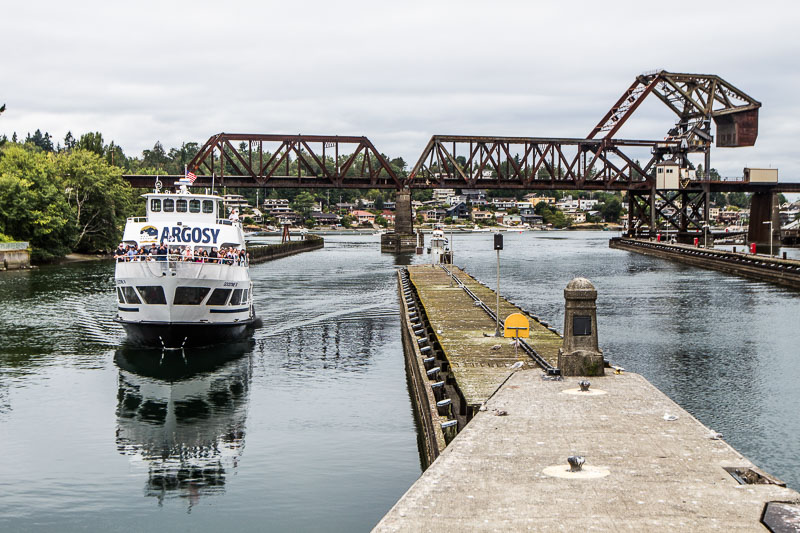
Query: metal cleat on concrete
{"x": 576, "y": 462}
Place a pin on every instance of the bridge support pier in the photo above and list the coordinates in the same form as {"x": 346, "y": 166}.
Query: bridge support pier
{"x": 763, "y": 209}
{"x": 402, "y": 239}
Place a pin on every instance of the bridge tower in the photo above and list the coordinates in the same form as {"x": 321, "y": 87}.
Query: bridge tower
{"x": 678, "y": 196}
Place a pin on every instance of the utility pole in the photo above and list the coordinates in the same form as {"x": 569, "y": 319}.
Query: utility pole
{"x": 770, "y": 236}
{"x": 498, "y": 245}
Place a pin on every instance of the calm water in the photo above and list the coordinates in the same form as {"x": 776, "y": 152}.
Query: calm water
{"x": 309, "y": 426}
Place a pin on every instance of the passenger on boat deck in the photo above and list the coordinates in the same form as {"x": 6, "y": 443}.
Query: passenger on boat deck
{"x": 187, "y": 253}
{"x": 161, "y": 254}
{"x": 203, "y": 256}
{"x": 120, "y": 252}
{"x": 131, "y": 253}
{"x": 212, "y": 255}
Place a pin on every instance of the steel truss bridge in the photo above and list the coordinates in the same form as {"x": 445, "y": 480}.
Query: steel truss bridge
{"x": 598, "y": 162}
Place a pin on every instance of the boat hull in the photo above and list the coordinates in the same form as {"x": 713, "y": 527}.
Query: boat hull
{"x": 186, "y": 334}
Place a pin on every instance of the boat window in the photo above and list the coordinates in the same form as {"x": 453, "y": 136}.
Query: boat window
{"x": 181, "y": 206}
{"x": 130, "y": 295}
{"x": 155, "y": 205}
{"x": 236, "y": 299}
{"x": 208, "y": 206}
{"x": 169, "y": 205}
{"x": 152, "y": 294}
{"x": 194, "y": 206}
{"x": 244, "y": 296}
{"x": 190, "y": 295}
{"x": 119, "y": 295}
{"x": 218, "y": 297}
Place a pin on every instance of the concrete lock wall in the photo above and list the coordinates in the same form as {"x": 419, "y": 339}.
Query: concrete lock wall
{"x": 259, "y": 254}
{"x": 15, "y": 259}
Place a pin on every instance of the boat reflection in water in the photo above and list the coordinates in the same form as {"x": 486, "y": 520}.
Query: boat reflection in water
{"x": 183, "y": 415}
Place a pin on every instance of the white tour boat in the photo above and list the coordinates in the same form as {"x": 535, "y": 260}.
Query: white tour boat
{"x": 172, "y": 290}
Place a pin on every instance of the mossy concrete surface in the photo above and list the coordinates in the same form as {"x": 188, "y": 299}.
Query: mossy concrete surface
{"x": 479, "y": 361}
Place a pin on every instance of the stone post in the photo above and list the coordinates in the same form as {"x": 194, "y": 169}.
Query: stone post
{"x": 579, "y": 354}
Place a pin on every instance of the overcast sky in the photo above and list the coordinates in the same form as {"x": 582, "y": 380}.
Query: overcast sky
{"x": 397, "y": 72}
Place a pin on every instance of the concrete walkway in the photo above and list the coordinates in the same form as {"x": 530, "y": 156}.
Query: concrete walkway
{"x": 650, "y": 466}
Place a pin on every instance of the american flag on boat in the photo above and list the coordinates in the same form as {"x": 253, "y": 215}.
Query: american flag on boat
{"x": 190, "y": 176}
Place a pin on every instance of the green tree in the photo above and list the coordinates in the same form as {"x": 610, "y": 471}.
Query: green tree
{"x": 33, "y": 206}
{"x": 558, "y": 219}
{"x": 92, "y": 142}
{"x": 69, "y": 141}
{"x": 303, "y": 203}
{"x": 347, "y": 221}
{"x": 155, "y": 158}
{"x": 552, "y": 215}
{"x": 98, "y": 196}
{"x": 611, "y": 210}
{"x": 42, "y": 140}
{"x": 719, "y": 199}
{"x": 739, "y": 199}
{"x": 114, "y": 155}
{"x": 179, "y": 157}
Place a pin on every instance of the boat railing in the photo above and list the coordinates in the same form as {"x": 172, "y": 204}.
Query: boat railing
{"x": 228, "y": 222}
{"x": 172, "y": 260}
{"x": 221, "y": 221}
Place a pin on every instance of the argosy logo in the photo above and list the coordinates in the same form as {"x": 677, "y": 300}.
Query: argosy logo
{"x": 186, "y": 234}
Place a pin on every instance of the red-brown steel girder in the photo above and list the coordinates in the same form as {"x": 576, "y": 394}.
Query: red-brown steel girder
{"x": 458, "y": 161}
{"x": 295, "y": 161}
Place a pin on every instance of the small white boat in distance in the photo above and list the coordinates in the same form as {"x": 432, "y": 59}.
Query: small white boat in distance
{"x": 440, "y": 247}
{"x": 182, "y": 274}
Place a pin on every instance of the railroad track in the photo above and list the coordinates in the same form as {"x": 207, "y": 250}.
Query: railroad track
{"x": 541, "y": 361}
